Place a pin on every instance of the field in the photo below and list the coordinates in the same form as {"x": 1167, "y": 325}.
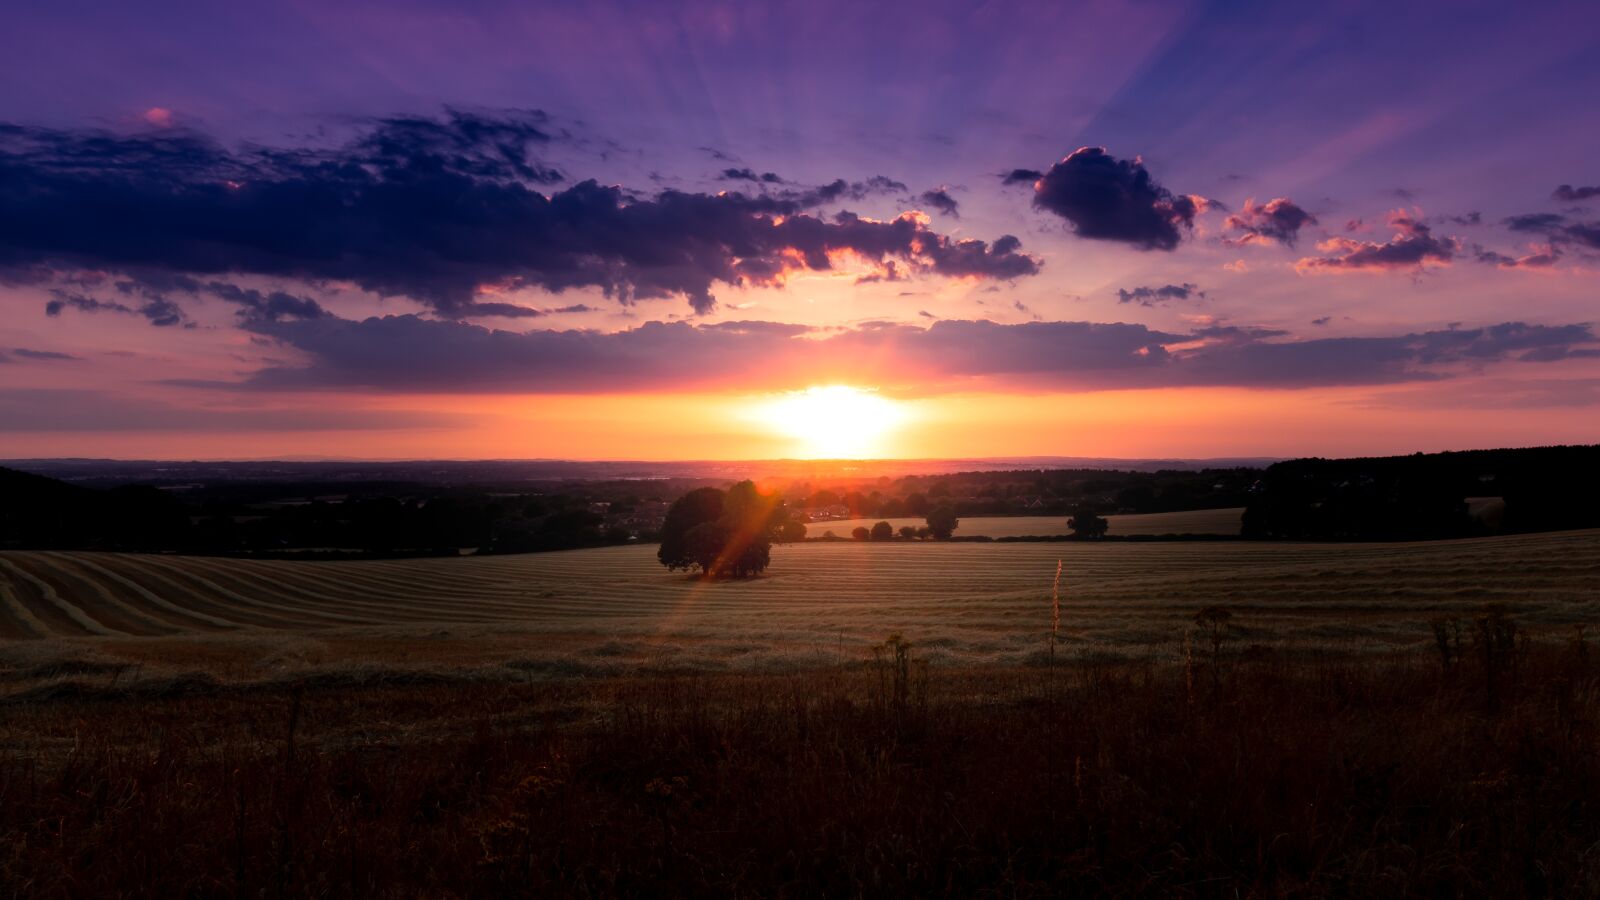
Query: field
{"x": 587, "y": 724}
{"x": 615, "y": 610}
{"x": 1200, "y": 521}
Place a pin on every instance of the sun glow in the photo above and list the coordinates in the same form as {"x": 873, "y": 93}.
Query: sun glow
{"x": 834, "y": 422}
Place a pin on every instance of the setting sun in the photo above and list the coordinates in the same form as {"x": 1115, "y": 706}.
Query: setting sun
{"x": 834, "y": 422}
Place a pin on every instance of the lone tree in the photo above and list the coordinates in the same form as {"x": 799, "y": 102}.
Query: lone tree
{"x": 883, "y": 531}
{"x": 726, "y": 535}
{"x": 942, "y": 522}
{"x": 860, "y": 533}
{"x": 1086, "y": 523}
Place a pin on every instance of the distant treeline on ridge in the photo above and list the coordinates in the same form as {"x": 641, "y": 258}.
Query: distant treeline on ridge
{"x": 1422, "y": 496}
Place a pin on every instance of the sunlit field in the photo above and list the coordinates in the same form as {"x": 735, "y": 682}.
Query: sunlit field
{"x": 1200, "y": 521}
{"x": 615, "y": 610}
{"x": 586, "y": 723}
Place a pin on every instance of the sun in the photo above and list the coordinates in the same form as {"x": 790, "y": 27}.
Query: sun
{"x": 833, "y": 422}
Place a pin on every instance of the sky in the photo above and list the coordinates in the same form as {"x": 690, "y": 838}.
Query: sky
{"x": 698, "y": 230}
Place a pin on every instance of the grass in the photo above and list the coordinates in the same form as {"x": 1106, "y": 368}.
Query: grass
{"x": 1343, "y": 720}
{"x": 1304, "y": 776}
{"x": 976, "y": 604}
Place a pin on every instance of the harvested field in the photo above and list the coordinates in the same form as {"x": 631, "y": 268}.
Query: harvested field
{"x": 1200, "y": 521}
{"x": 616, "y": 610}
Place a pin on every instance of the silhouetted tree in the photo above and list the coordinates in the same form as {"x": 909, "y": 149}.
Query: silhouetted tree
{"x": 908, "y": 532}
{"x": 860, "y": 533}
{"x": 689, "y": 511}
{"x": 792, "y": 531}
{"x": 942, "y": 522}
{"x": 1086, "y": 523}
{"x": 736, "y": 542}
{"x": 916, "y": 505}
{"x": 882, "y": 531}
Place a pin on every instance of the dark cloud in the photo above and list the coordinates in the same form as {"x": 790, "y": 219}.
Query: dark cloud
{"x": 940, "y": 199}
{"x": 26, "y": 353}
{"x": 1471, "y": 218}
{"x": 159, "y": 311}
{"x": 1110, "y": 199}
{"x": 1535, "y": 222}
{"x": 1021, "y": 176}
{"x": 494, "y": 146}
{"x": 267, "y": 306}
{"x": 750, "y": 175}
{"x": 1151, "y": 296}
{"x": 839, "y": 189}
{"x": 1319, "y": 321}
{"x": 1279, "y": 220}
{"x": 1572, "y": 194}
{"x": 411, "y": 353}
{"x": 1540, "y": 258}
{"x": 439, "y": 211}
{"x": 1558, "y": 229}
{"x": 1412, "y": 247}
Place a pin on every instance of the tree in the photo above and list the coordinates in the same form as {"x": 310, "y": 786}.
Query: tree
{"x": 726, "y": 535}
{"x": 705, "y": 544}
{"x": 860, "y": 533}
{"x": 916, "y": 504}
{"x": 692, "y": 509}
{"x": 1086, "y": 523}
{"x": 882, "y": 531}
{"x": 942, "y": 522}
{"x": 908, "y": 532}
{"x": 792, "y": 531}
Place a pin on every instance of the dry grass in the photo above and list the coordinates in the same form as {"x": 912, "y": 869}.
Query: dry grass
{"x": 583, "y": 724}
{"x": 1365, "y": 777}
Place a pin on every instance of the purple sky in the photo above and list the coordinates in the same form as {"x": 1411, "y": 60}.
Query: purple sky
{"x": 264, "y": 220}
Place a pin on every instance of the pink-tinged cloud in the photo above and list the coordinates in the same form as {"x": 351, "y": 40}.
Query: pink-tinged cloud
{"x": 1412, "y": 248}
{"x": 1277, "y": 221}
{"x": 1541, "y": 257}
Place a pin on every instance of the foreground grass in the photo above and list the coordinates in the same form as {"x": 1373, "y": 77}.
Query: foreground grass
{"x": 1300, "y": 776}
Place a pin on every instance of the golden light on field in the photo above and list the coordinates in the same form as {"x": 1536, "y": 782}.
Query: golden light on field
{"x": 834, "y": 421}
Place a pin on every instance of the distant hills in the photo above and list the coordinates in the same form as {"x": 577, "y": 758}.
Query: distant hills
{"x": 105, "y": 472}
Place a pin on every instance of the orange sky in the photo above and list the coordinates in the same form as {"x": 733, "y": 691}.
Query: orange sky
{"x": 1193, "y": 423}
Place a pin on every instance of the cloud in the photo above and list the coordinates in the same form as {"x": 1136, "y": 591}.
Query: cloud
{"x": 269, "y": 306}
{"x": 750, "y": 175}
{"x": 75, "y": 410}
{"x": 1110, "y": 199}
{"x": 1021, "y": 176}
{"x": 1558, "y": 229}
{"x": 1572, "y": 194}
{"x": 1277, "y": 220}
{"x": 415, "y": 354}
{"x": 1535, "y": 222}
{"x": 940, "y": 199}
{"x": 441, "y": 211}
{"x": 159, "y": 311}
{"x": 1539, "y": 258}
{"x": 1320, "y": 321}
{"x": 1151, "y": 296}
{"x": 1412, "y": 248}
{"x": 26, "y": 353}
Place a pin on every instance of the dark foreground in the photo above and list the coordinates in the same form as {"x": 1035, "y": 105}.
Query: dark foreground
{"x": 1276, "y": 777}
